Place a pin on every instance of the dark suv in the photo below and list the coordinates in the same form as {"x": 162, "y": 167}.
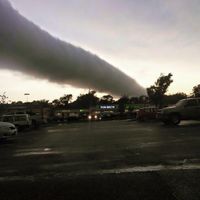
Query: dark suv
{"x": 186, "y": 109}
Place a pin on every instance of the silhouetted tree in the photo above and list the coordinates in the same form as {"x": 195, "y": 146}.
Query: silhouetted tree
{"x": 134, "y": 100}
{"x": 139, "y": 100}
{"x": 106, "y": 99}
{"x": 86, "y": 100}
{"x": 56, "y": 103}
{"x": 63, "y": 102}
{"x": 143, "y": 99}
{"x": 17, "y": 103}
{"x": 3, "y": 98}
{"x": 122, "y": 103}
{"x": 157, "y": 91}
{"x": 196, "y": 91}
{"x": 42, "y": 102}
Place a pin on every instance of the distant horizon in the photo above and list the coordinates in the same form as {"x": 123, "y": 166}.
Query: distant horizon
{"x": 31, "y": 98}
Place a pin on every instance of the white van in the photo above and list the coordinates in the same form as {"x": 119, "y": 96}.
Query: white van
{"x": 19, "y": 120}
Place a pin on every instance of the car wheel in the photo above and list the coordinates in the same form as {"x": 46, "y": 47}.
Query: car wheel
{"x": 175, "y": 119}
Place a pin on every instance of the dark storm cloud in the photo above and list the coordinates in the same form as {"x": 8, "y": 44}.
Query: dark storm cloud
{"x": 38, "y": 54}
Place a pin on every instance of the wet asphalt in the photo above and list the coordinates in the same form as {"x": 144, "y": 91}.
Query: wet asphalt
{"x": 102, "y": 160}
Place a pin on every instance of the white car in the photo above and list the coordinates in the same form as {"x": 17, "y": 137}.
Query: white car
{"x": 7, "y": 130}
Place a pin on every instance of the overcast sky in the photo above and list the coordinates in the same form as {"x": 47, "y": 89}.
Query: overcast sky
{"x": 143, "y": 38}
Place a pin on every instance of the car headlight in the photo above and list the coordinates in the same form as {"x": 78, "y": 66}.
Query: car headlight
{"x": 95, "y": 116}
{"x": 89, "y": 117}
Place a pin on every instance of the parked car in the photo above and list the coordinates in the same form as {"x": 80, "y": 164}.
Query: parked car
{"x": 73, "y": 116}
{"x": 108, "y": 115}
{"x": 186, "y": 109}
{"x": 36, "y": 119}
{"x": 19, "y": 120}
{"x": 146, "y": 113}
{"x": 94, "y": 116}
{"x": 7, "y": 130}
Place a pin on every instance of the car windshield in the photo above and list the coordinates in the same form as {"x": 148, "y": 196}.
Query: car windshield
{"x": 95, "y": 94}
{"x": 180, "y": 103}
{"x": 20, "y": 118}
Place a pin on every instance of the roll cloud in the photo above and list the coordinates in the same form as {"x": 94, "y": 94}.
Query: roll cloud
{"x": 26, "y": 48}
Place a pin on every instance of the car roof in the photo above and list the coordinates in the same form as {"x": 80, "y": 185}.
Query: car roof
{"x": 6, "y": 124}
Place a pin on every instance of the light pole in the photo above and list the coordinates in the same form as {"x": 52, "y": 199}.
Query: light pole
{"x": 27, "y": 94}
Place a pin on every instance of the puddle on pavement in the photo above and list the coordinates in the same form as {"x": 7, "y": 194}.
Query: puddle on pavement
{"x": 152, "y": 168}
{"x": 60, "y": 130}
{"x": 36, "y": 151}
{"x": 150, "y": 144}
{"x": 56, "y": 130}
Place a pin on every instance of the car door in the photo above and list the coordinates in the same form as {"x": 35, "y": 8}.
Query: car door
{"x": 191, "y": 110}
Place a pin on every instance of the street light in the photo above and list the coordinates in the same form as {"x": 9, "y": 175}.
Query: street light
{"x": 26, "y": 94}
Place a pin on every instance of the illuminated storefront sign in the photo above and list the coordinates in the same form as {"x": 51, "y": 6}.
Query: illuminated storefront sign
{"x": 107, "y": 107}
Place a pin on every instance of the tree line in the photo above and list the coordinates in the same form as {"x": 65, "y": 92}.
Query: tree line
{"x": 156, "y": 95}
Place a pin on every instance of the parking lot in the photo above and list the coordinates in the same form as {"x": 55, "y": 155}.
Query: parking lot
{"x": 102, "y": 160}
